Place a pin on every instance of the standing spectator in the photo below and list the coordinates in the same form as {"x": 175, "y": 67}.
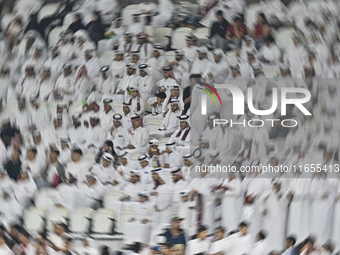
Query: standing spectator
{"x": 95, "y": 28}
{"x": 13, "y": 165}
{"x": 218, "y": 31}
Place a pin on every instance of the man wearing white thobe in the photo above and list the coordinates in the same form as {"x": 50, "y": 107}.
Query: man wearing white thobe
{"x": 275, "y": 217}
{"x": 78, "y": 165}
{"x": 181, "y": 137}
{"x": 162, "y": 195}
{"x": 107, "y": 115}
{"x": 145, "y": 83}
{"x": 157, "y": 62}
{"x": 77, "y": 132}
{"x": 241, "y": 242}
{"x": 138, "y": 137}
{"x": 200, "y": 244}
{"x": 96, "y": 134}
{"x": 139, "y": 226}
{"x": 202, "y": 63}
{"x": 170, "y": 158}
{"x": 170, "y": 123}
{"x": 132, "y": 189}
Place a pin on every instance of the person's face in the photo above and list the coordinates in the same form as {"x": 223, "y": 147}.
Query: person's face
{"x": 134, "y": 93}
{"x": 244, "y": 230}
{"x": 219, "y": 234}
{"x": 75, "y": 18}
{"x": 105, "y": 162}
{"x": 201, "y": 55}
{"x": 235, "y": 73}
{"x": 203, "y": 235}
{"x": 107, "y": 107}
{"x": 104, "y": 76}
{"x": 166, "y": 75}
{"x": 64, "y": 41}
{"x": 134, "y": 178}
{"x": 126, "y": 109}
{"x": 94, "y": 17}
{"x": 155, "y": 177}
{"x": 257, "y": 72}
{"x": 175, "y": 92}
{"x": 123, "y": 161}
{"x": 37, "y": 53}
{"x": 67, "y": 71}
{"x": 94, "y": 122}
{"x": 75, "y": 157}
{"x": 219, "y": 18}
{"x": 130, "y": 71}
{"x": 53, "y": 156}
{"x": 160, "y": 100}
{"x": 259, "y": 19}
{"x": 143, "y": 163}
{"x": 174, "y": 107}
{"x": 30, "y": 155}
{"x": 137, "y": 123}
{"x": 128, "y": 39}
{"x": 273, "y": 161}
{"x": 142, "y": 199}
{"x": 183, "y": 124}
{"x": 267, "y": 43}
{"x": 91, "y": 180}
{"x": 184, "y": 199}
{"x": 156, "y": 53}
{"x": 178, "y": 57}
{"x": 190, "y": 42}
{"x": 175, "y": 251}
{"x": 136, "y": 19}
{"x": 135, "y": 58}
{"x": 117, "y": 24}
{"x": 116, "y": 123}
{"x": 175, "y": 178}
{"x": 2, "y": 241}
{"x": 176, "y": 224}
{"x": 217, "y": 58}
{"x": 142, "y": 73}
{"x": 119, "y": 57}
{"x": 186, "y": 162}
{"x": 106, "y": 147}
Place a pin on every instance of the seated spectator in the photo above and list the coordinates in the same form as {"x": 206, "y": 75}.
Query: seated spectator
{"x": 235, "y": 33}
{"x": 13, "y": 165}
{"x": 261, "y": 29}
{"x": 175, "y": 235}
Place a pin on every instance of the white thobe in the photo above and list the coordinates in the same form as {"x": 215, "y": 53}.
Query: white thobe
{"x": 23, "y": 121}
{"x": 27, "y": 86}
{"x": 170, "y": 123}
{"x": 139, "y": 138}
{"x": 25, "y": 191}
{"x": 237, "y": 244}
{"x": 81, "y": 168}
{"x": 132, "y": 190}
{"x": 93, "y": 67}
{"x": 322, "y": 208}
{"x": 126, "y": 47}
{"x": 136, "y": 28}
{"x": 5, "y": 250}
{"x": 52, "y": 135}
{"x": 134, "y": 105}
{"x": 128, "y": 80}
{"x": 119, "y": 137}
{"x": 156, "y": 66}
{"x": 146, "y": 86}
{"x": 178, "y": 187}
{"x": 200, "y": 65}
{"x": 46, "y": 88}
{"x": 180, "y": 140}
{"x": 78, "y": 135}
{"x": 107, "y": 8}
{"x": 232, "y": 204}
{"x": 41, "y": 117}
{"x": 145, "y": 51}
{"x": 260, "y": 248}
{"x": 165, "y": 10}
{"x": 166, "y": 84}
{"x": 190, "y": 53}
{"x": 136, "y": 231}
{"x": 66, "y": 50}
{"x": 96, "y": 135}
{"x": 219, "y": 70}
{"x": 146, "y": 176}
{"x": 11, "y": 211}
{"x": 274, "y": 222}
{"x": 106, "y": 119}
{"x": 104, "y": 174}
{"x": 299, "y": 210}
{"x": 271, "y": 54}
{"x": 173, "y": 159}
{"x": 197, "y": 246}
{"x": 126, "y": 120}
{"x": 163, "y": 201}
{"x": 92, "y": 194}
{"x": 56, "y": 66}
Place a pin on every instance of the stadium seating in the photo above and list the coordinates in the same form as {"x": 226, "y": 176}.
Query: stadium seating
{"x": 103, "y": 222}
{"x": 53, "y": 36}
{"x": 150, "y": 127}
{"x": 283, "y": 37}
{"x": 127, "y": 13}
{"x": 79, "y": 221}
{"x": 47, "y": 10}
{"x": 34, "y": 220}
{"x": 106, "y": 58}
{"x": 202, "y": 33}
{"x": 250, "y": 14}
{"x": 162, "y": 35}
{"x": 46, "y": 198}
{"x": 178, "y": 38}
{"x": 57, "y": 215}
